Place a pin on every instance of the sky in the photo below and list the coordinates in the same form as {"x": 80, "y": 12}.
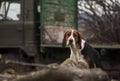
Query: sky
{"x": 14, "y": 10}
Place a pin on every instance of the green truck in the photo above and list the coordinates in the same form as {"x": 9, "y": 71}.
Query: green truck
{"x": 31, "y": 31}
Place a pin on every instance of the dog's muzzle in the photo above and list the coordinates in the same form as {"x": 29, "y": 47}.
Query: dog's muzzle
{"x": 70, "y": 41}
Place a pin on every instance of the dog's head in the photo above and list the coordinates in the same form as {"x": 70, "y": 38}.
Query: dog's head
{"x": 72, "y": 37}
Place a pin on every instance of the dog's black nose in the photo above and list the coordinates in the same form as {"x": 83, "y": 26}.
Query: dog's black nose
{"x": 70, "y": 41}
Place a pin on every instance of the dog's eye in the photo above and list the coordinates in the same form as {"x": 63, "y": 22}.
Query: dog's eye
{"x": 75, "y": 35}
{"x": 68, "y": 34}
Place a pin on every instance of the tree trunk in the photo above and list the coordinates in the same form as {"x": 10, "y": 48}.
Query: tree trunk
{"x": 65, "y": 74}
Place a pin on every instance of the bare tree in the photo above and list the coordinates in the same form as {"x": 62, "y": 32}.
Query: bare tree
{"x": 102, "y": 18}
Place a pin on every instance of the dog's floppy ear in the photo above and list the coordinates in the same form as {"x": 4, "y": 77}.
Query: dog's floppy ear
{"x": 64, "y": 40}
{"x": 79, "y": 39}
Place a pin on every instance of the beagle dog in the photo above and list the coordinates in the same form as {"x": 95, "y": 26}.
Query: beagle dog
{"x": 80, "y": 48}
